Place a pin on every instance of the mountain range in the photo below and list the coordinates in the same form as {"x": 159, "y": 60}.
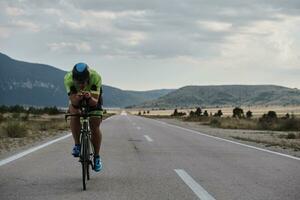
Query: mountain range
{"x": 227, "y": 95}
{"x": 35, "y": 84}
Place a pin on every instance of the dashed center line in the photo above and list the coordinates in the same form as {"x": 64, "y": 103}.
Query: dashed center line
{"x": 148, "y": 138}
{"x": 193, "y": 185}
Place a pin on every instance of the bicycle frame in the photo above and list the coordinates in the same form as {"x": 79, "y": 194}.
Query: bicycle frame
{"x": 87, "y": 150}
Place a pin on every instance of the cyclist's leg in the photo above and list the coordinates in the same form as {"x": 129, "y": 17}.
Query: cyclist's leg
{"x": 96, "y": 133}
{"x": 75, "y": 124}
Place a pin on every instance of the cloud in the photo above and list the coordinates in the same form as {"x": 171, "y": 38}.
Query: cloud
{"x": 14, "y": 11}
{"x": 230, "y": 35}
{"x": 4, "y": 32}
{"x": 215, "y": 26}
{"x": 28, "y": 25}
{"x": 81, "y": 47}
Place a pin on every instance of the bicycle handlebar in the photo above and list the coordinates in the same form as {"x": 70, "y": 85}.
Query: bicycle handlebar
{"x": 82, "y": 115}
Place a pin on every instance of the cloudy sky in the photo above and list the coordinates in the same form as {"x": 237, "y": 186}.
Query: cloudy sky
{"x": 142, "y": 45}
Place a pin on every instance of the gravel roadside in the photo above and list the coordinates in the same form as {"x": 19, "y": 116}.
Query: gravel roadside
{"x": 265, "y": 138}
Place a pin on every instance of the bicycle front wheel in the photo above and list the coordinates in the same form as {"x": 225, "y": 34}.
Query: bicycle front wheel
{"x": 84, "y": 161}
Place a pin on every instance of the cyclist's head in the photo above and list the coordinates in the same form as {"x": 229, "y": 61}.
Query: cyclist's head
{"x": 80, "y": 73}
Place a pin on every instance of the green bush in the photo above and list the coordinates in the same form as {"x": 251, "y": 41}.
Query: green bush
{"x": 15, "y": 129}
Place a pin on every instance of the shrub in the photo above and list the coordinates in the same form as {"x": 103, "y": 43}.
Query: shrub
{"x": 290, "y": 124}
{"x": 291, "y": 136}
{"x": 15, "y": 130}
{"x": 198, "y": 112}
{"x": 218, "y": 114}
{"x": 249, "y": 114}
{"x": 16, "y": 115}
{"x": 176, "y": 113}
{"x": 238, "y": 112}
{"x": 287, "y": 116}
{"x": 2, "y": 118}
{"x": 268, "y": 121}
{"x": 215, "y": 122}
{"x": 25, "y": 117}
{"x": 272, "y": 115}
{"x": 205, "y": 113}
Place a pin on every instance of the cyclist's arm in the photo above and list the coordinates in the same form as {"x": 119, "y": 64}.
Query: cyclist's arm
{"x": 75, "y": 98}
{"x": 93, "y": 101}
{"x": 96, "y": 92}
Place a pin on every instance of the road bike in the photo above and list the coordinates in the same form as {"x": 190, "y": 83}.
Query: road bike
{"x": 86, "y": 148}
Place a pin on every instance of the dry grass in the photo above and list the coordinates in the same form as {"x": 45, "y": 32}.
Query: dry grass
{"x": 16, "y": 131}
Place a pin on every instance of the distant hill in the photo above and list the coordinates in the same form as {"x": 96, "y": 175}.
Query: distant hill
{"x": 42, "y": 85}
{"x": 233, "y": 95}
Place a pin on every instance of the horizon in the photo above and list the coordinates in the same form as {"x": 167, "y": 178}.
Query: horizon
{"x": 146, "y": 46}
{"x": 161, "y": 88}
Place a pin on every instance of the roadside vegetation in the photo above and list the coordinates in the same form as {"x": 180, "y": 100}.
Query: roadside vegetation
{"x": 241, "y": 120}
{"x": 268, "y": 129}
{"x": 20, "y": 126}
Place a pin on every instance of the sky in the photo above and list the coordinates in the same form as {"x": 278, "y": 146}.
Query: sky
{"x": 145, "y": 45}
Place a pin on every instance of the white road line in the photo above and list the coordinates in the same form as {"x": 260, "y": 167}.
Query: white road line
{"x": 217, "y": 138}
{"x": 24, "y": 153}
{"x": 123, "y": 112}
{"x": 148, "y": 138}
{"x": 194, "y": 186}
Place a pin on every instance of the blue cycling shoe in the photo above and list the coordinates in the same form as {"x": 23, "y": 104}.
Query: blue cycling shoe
{"x": 97, "y": 164}
{"x": 76, "y": 150}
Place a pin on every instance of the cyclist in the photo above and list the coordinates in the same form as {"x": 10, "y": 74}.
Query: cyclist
{"x": 83, "y": 82}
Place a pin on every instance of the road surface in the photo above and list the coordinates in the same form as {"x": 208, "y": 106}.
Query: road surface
{"x": 148, "y": 159}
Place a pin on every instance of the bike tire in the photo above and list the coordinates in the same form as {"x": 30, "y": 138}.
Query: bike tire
{"x": 84, "y": 162}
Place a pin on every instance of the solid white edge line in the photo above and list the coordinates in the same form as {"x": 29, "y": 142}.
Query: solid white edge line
{"x": 148, "y": 138}
{"x": 24, "y": 153}
{"x": 193, "y": 185}
{"x": 222, "y": 139}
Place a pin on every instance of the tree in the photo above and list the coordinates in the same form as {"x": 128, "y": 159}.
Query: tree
{"x": 287, "y": 116}
{"x": 198, "y": 112}
{"x": 218, "y": 114}
{"x": 175, "y": 113}
{"x": 249, "y": 114}
{"x": 205, "y": 113}
{"x": 272, "y": 115}
{"x": 238, "y": 112}
{"x": 148, "y": 111}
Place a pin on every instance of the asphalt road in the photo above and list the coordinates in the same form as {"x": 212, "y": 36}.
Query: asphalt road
{"x": 148, "y": 159}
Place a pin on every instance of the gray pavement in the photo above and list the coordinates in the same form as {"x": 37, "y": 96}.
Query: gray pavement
{"x": 140, "y": 157}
